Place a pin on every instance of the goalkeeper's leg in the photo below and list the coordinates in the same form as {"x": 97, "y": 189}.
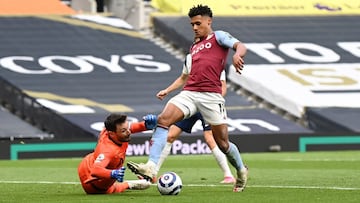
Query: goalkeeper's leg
{"x": 129, "y": 184}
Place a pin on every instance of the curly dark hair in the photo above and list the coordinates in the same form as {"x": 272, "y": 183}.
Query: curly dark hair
{"x": 112, "y": 120}
{"x": 200, "y": 9}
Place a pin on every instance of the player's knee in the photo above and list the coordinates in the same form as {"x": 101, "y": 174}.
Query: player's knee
{"x": 162, "y": 121}
{"x": 171, "y": 138}
{"x": 165, "y": 121}
{"x": 209, "y": 139}
{"x": 224, "y": 146}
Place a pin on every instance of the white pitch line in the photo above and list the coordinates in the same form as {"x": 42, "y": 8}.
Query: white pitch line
{"x": 198, "y": 185}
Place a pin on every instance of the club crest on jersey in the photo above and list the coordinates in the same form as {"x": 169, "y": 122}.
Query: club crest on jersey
{"x": 99, "y": 158}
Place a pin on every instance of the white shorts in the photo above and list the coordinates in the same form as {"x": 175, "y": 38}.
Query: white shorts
{"x": 210, "y": 105}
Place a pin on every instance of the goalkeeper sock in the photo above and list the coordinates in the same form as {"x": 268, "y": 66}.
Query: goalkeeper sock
{"x": 158, "y": 141}
{"x": 233, "y": 155}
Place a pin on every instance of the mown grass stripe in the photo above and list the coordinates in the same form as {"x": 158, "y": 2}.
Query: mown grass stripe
{"x": 195, "y": 185}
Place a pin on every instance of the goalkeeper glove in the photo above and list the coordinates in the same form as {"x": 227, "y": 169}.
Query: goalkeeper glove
{"x": 118, "y": 174}
{"x": 150, "y": 121}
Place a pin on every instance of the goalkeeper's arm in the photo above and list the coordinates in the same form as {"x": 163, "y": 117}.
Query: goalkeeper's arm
{"x": 149, "y": 123}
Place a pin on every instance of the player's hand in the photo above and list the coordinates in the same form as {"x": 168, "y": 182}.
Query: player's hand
{"x": 118, "y": 174}
{"x": 238, "y": 63}
{"x": 150, "y": 121}
{"x": 162, "y": 94}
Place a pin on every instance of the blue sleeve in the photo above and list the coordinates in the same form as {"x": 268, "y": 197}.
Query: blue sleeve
{"x": 225, "y": 39}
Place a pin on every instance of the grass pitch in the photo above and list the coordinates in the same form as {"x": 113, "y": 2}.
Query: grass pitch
{"x": 274, "y": 177}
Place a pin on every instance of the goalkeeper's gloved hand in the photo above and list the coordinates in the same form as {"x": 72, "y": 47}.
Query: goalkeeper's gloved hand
{"x": 118, "y": 174}
{"x": 150, "y": 121}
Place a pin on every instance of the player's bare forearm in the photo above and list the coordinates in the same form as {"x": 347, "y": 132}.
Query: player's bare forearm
{"x": 178, "y": 83}
{"x": 238, "y": 57}
{"x": 240, "y": 49}
{"x": 223, "y": 88}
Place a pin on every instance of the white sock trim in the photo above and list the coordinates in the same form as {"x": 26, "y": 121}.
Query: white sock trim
{"x": 222, "y": 161}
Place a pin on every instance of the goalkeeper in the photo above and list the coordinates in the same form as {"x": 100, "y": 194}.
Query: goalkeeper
{"x": 102, "y": 171}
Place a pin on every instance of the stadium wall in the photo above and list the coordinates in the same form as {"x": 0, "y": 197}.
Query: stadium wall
{"x": 185, "y": 145}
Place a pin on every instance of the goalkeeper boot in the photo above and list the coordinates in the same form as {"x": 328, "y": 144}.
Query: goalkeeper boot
{"x": 143, "y": 170}
{"x": 138, "y": 184}
{"x": 241, "y": 180}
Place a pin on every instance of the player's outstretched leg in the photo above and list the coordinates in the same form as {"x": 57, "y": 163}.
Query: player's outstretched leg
{"x": 148, "y": 170}
{"x": 164, "y": 154}
{"x": 143, "y": 171}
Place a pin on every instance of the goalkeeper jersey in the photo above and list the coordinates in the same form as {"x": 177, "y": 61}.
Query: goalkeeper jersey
{"x": 96, "y": 167}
